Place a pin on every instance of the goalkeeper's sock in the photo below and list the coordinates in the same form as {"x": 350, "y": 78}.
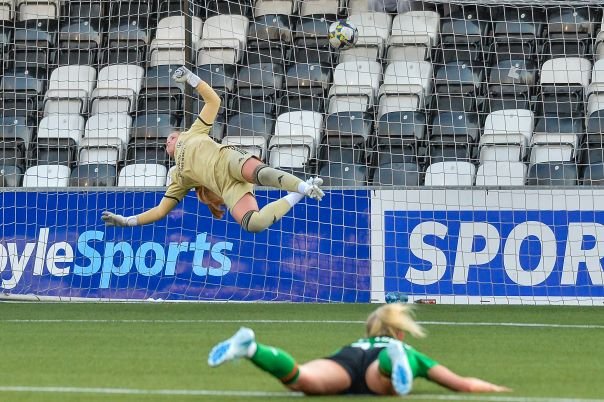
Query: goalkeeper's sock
{"x": 270, "y": 177}
{"x": 276, "y": 362}
{"x": 384, "y": 363}
{"x": 257, "y": 221}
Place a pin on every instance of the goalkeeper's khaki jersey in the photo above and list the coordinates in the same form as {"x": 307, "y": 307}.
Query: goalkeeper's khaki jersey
{"x": 200, "y": 161}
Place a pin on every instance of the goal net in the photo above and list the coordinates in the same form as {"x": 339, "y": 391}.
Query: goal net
{"x": 460, "y": 144}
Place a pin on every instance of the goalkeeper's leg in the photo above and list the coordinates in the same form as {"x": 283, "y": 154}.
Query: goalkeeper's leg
{"x": 253, "y": 220}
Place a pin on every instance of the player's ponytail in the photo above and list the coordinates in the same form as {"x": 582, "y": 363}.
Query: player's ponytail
{"x": 213, "y": 201}
{"x": 391, "y": 318}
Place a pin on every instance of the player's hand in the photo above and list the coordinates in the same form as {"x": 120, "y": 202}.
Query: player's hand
{"x": 112, "y": 219}
{"x": 181, "y": 74}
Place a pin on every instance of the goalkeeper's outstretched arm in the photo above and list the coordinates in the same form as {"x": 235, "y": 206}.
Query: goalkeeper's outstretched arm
{"x": 152, "y": 215}
{"x": 209, "y": 96}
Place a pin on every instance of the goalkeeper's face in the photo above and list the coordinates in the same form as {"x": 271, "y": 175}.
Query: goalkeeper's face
{"x": 171, "y": 143}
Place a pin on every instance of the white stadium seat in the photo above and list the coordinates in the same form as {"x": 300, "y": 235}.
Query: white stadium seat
{"x": 373, "y": 31}
{"x": 406, "y": 85}
{"x": 255, "y": 145}
{"x": 65, "y": 126}
{"x": 506, "y": 135}
{"x": 38, "y": 9}
{"x": 105, "y": 138}
{"x": 69, "y": 89}
{"x": 355, "y": 86}
{"x": 505, "y": 173}
{"x": 168, "y": 45}
{"x": 267, "y": 7}
{"x": 47, "y": 176}
{"x": 224, "y": 40}
{"x": 414, "y": 35}
{"x": 450, "y": 173}
{"x": 117, "y": 88}
{"x": 317, "y": 7}
{"x": 296, "y": 138}
{"x": 142, "y": 175}
{"x": 7, "y": 10}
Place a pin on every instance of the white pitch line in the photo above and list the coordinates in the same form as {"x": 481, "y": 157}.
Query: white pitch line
{"x": 445, "y": 323}
{"x": 262, "y": 394}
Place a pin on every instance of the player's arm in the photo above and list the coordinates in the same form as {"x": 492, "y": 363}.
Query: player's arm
{"x": 152, "y": 215}
{"x": 207, "y": 93}
{"x": 447, "y": 378}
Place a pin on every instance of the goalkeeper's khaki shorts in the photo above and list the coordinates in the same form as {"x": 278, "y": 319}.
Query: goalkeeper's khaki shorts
{"x": 228, "y": 174}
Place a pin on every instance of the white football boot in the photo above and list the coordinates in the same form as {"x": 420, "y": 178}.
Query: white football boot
{"x": 401, "y": 377}
{"x": 233, "y": 348}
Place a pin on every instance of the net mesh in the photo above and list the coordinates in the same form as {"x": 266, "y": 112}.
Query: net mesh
{"x": 436, "y": 102}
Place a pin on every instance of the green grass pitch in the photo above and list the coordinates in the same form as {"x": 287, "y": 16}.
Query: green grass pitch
{"x": 158, "y": 352}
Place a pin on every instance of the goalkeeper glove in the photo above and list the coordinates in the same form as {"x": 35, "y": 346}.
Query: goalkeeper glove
{"x": 112, "y": 219}
{"x": 183, "y": 74}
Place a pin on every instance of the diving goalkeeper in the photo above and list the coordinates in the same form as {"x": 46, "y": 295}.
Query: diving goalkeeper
{"x": 221, "y": 175}
{"x": 380, "y": 364}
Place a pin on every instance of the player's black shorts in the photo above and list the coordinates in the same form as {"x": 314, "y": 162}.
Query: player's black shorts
{"x": 356, "y": 361}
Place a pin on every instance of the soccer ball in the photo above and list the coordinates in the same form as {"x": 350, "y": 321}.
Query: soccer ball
{"x": 343, "y": 35}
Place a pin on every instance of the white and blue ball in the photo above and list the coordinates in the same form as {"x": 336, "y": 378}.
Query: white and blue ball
{"x": 343, "y": 35}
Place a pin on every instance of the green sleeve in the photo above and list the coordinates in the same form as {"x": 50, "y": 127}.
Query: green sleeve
{"x": 419, "y": 362}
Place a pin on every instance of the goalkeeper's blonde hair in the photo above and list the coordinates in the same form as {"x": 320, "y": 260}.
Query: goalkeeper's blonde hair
{"x": 392, "y": 318}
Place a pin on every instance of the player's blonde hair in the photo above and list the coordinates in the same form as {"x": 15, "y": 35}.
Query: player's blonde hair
{"x": 389, "y": 319}
{"x": 213, "y": 201}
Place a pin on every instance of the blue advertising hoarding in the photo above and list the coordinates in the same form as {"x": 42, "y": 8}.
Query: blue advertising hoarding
{"x": 54, "y": 244}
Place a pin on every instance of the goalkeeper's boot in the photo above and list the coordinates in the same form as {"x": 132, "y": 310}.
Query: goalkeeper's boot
{"x": 233, "y": 348}
{"x": 314, "y": 191}
{"x": 401, "y": 377}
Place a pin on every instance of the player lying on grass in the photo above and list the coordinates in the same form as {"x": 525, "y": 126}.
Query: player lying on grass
{"x": 379, "y": 364}
{"x": 221, "y": 175}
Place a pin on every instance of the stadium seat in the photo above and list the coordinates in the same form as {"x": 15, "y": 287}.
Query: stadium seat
{"x": 563, "y": 85}
{"x": 16, "y": 133}
{"x": 397, "y": 174}
{"x": 21, "y": 92}
{"x": 458, "y": 86}
{"x": 327, "y": 8}
{"x": 570, "y": 32}
{"x": 34, "y": 44}
{"x": 7, "y": 10}
{"x": 399, "y": 137}
{"x": 306, "y": 86}
{"x": 117, "y": 89}
{"x": 168, "y": 45}
{"x": 450, "y": 173}
{"x": 126, "y": 44}
{"x": 275, "y": 7}
{"x": 10, "y": 176}
{"x": 88, "y": 10}
{"x": 222, "y": 7}
{"x": 373, "y": 31}
{"x": 135, "y": 12}
{"x": 218, "y": 76}
{"x": 556, "y": 139}
{"x": 105, "y": 139}
{"x": 414, "y": 35}
{"x": 511, "y": 84}
{"x": 348, "y": 127}
{"x": 595, "y": 128}
{"x": 69, "y": 90}
{"x": 406, "y": 86}
{"x": 58, "y": 138}
{"x": 453, "y": 136}
{"x": 295, "y": 141}
{"x": 145, "y": 151}
{"x": 311, "y": 41}
{"x": 506, "y": 135}
{"x": 142, "y": 175}
{"x": 47, "y": 176}
{"x": 258, "y": 86}
{"x": 596, "y": 88}
{"x": 155, "y": 126}
{"x": 593, "y": 175}
{"x": 250, "y": 132}
{"x": 339, "y": 174}
{"x": 465, "y": 34}
{"x": 169, "y": 175}
{"x": 269, "y": 38}
{"x": 79, "y": 43}
{"x": 355, "y": 86}
{"x": 160, "y": 93}
{"x": 38, "y": 9}
{"x": 517, "y": 34}
{"x": 553, "y": 174}
{"x": 93, "y": 175}
{"x": 502, "y": 173}
{"x": 224, "y": 40}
